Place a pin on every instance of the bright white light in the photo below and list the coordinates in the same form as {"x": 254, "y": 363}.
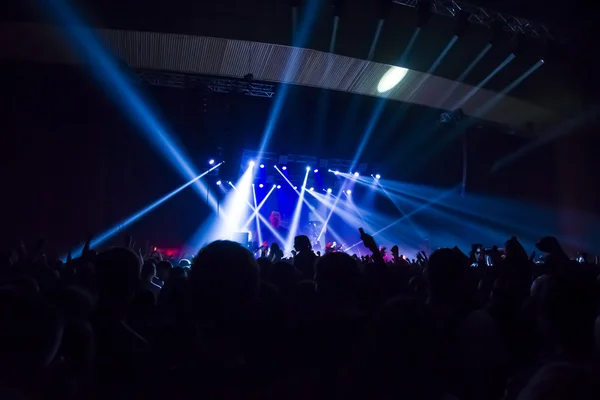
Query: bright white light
{"x": 356, "y": 174}
{"x": 251, "y": 163}
{"x": 377, "y": 176}
{"x": 278, "y": 186}
{"x": 348, "y": 191}
{"x": 391, "y": 78}
{"x": 284, "y": 168}
{"x": 261, "y": 186}
{"x": 262, "y": 165}
{"x": 211, "y": 162}
{"x": 336, "y": 172}
{"x": 329, "y": 190}
{"x": 218, "y": 182}
{"x": 236, "y": 205}
{"x": 295, "y": 187}
{"x": 308, "y": 168}
{"x": 312, "y": 189}
{"x": 316, "y": 170}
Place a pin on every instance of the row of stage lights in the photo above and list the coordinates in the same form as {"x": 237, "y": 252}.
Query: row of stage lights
{"x": 312, "y": 189}
{"x": 316, "y": 170}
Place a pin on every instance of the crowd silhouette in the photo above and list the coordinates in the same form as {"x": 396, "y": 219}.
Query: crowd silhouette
{"x": 495, "y": 324}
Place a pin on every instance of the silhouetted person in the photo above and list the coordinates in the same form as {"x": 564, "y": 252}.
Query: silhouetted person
{"x": 121, "y": 352}
{"x": 305, "y": 259}
{"x": 163, "y": 270}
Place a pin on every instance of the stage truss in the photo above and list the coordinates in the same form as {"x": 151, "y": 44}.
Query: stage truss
{"x": 485, "y": 17}
{"x": 212, "y": 83}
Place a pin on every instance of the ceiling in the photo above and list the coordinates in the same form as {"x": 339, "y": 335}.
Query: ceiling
{"x": 212, "y": 56}
{"x": 556, "y": 87}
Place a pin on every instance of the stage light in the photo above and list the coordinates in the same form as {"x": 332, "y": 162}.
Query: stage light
{"x": 308, "y": 168}
{"x": 251, "y": 163}
{"x": 356, "y": 174}
{"x": 348, "y": 191}
{"x": 278, "y": 186}
{"x": 336, "y": 172}
{"x": 316, "y": 170}
{"x": 377, "y": 176}
{"x": 218, "y": 182}
{"x": 391, "y": 78}
{"x": 329, "y": 190}
{"x": 261, "y": 186}
{"x": 312, "y": 189}
{"x": 295, "y": 187}
{"x": 284, "y": 168}
{"x": 262, "y": 165}
{"x": 211, "y": 162}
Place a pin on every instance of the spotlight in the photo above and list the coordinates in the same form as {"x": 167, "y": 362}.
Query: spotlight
{"x": 308, "y": 168}
{"x": 251, "y": 163}
{"x": 356, "y": 174}
{"x": 262, "y": 165}
{"x": 329, "y": 190}
{"x": 278, "y": 186}
{"x": 312, "y": 189}
{"x": 284, "y": 168}
{"x": 211, "y": 161}
{"x": 336, "y": 172}
{"x": 316, "y": 170}
{"x": 391, "y": 78}
{"x": 348, "y": 191}
{"x": 295, "y": 187}
{"x": 261, "y": 186}
{"x": 218, "y": 182}
{"x": 377, "y": 176}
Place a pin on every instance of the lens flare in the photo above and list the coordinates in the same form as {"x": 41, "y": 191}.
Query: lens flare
{"x": 391, "y": 78}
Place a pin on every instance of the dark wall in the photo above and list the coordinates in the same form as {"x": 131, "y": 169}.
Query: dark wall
{"x": 72, "y": 164}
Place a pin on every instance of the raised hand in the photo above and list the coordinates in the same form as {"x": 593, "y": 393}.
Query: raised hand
{"x": 86, "y": 246}
{"x": 368, "y": 241}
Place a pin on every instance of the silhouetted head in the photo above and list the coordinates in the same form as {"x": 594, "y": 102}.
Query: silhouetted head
{"x": 514, "y": 250}
{"x": 302, "y": 243}
{"x": 148, "y": 270}
{"x": 447, "y": 273}
{"x": 336, "y": 272}
{"x": 549, "y": 244}
{"x": 163, "y": 270}
{"x": 117, "y": 273}
{"x": 275, "y": 219}
{"x": 224, "y": 281}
